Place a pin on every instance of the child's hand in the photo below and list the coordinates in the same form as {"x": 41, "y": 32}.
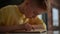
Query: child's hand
{"x": 27, "y": 27}
{"x": 37, "y": 27}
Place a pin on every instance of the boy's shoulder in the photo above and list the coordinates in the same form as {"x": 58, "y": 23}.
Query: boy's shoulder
{"x": 8, "y": 6}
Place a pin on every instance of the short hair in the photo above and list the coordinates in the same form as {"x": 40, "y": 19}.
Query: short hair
{"x": 42, "y": 4}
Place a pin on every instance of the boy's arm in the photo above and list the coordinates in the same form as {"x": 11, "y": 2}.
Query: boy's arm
{"x": 37, "y": 22}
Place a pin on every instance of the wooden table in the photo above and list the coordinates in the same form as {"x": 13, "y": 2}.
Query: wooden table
{"x": 36, "y": 32}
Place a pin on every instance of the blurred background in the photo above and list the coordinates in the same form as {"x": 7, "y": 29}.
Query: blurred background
{"x": 52, "y": 18}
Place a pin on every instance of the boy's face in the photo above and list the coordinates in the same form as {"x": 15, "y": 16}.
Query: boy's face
{"x": 38, "y": 8}
{"x": 34, "y": 13}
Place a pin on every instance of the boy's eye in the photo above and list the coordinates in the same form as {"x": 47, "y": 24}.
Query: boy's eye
{"x": 34, "y": 12}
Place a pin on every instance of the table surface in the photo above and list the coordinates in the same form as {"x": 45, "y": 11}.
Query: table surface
{"x": 46, "y": 32}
